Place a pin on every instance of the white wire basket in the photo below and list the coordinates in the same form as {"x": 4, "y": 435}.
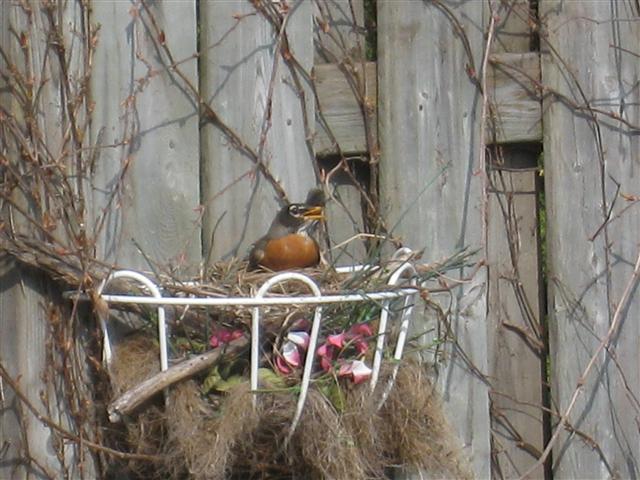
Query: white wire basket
{"x": 407, "y": 293}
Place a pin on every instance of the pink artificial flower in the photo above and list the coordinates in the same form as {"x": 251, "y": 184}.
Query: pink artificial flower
{"x": 224, "y": 335}
{"x": 291, "y": 356}
{"x": 300, "y": 338}
{"x": 356, "y": 369}
{"x": 289, "y": 359}
{"x": 357, "y": 336}
{"x": 337, "y": 340}
{"x": 301, "y": 324}
{"x": 326, "y": 353}
{"x": 282, "y": 366}
{"x": 361, "y": 345}
{"x": 362, "y": 329}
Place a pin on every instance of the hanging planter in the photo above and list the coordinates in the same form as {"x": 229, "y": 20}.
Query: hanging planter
{"x": 287, "y": 382}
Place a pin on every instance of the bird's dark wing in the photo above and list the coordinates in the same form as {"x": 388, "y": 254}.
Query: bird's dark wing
{"x": 257, "y": 253}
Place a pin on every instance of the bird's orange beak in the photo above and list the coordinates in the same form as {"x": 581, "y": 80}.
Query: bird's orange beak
{"x": 314, "y": 213}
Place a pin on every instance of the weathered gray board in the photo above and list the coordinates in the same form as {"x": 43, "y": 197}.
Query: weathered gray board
{"x": 429, "y": 134}
{"x": 23, "y": 324}
{"x": 27, "y": 447}
{"x": 239, "y": 49}
{"x": 516, "y": 114}
{"x": 514, "y": 25}
{"x": 595, "y": 45}
{"x": 138, "y": 100}
{"x": 341, "y": 108}
{"x": 516, "y": 341}
{"x": 339, "y": 32}
{"x": 342, "y": 78}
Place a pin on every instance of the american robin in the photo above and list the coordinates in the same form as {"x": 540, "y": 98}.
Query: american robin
{"x": 288, "y": 243}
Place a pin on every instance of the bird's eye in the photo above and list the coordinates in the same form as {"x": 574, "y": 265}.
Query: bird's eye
{"x": 295, "y": 211}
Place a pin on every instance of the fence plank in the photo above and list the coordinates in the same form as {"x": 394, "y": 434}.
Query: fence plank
{"x": 513, "y": 81}
{"x": 21, "y": 314}
{"x": 514, "y": 26}
{"x": 591, "y": 56}
{"x": 341, "y": 77}
{"x": 142, "y": 104}
{"x": 338, "y": 30}
{"x": 341, "y": 109}
{"x": 516, "y": 340}
{"x": 517, "y": 350}
{"x": 429, "y": 136}
{"x": 513, "y": 85}
{"x": 28, "y": 448}
{"x": 238, "y": 56}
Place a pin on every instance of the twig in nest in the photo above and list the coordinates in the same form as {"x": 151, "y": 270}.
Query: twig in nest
{"x": 133, "y": 398}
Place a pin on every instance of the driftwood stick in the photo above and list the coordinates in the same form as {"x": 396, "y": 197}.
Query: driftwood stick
{"x": 134, "y": 397}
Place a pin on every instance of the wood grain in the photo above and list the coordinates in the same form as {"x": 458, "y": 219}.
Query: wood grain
{"x": 514, "y": 81}
{"x": 516, "y": 340}
{"x": 429, "y": 135}
{"x": 514, "y": 27}
{"x": 589, "y": 166}
{"x": 341, "y": 108}
{"x": 338, "y": 31}
{"x": 28, "y": 448}
{"x": 140, "y": 101}
{"x": 342, "y": 77}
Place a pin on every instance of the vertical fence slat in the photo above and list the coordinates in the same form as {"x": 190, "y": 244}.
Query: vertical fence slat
{"x": 139, "y": 102}
{"x": 29, "y": 448}
{"x": 23, "y": 327}
{"x": 591, "y": 56}
{"x": 339, "y": 41}
{"x": 514, "y": 26}
{"x": 429, "y": 136}
{"x": 339, "y": 38}
{"x": 238, "y": 48}
{"x": 516, "y": 339}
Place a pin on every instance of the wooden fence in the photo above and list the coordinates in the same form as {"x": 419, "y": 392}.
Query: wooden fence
{"x": 508, "y": 127}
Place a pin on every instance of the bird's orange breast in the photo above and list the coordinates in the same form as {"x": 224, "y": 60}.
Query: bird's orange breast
{"x": 290, "y": 251}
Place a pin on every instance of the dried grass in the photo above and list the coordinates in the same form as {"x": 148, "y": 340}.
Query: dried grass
{"x": 137, "y": 358}
{"x": 201, "y": 439}
{"x": 413, "y": 423}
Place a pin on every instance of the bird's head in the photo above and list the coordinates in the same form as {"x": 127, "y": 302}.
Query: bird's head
{"x": 297, "y": 216}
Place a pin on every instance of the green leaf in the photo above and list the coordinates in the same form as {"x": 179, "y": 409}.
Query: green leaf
{"x": 270, "y": 379}
{"x": 212, "y": 380}
{"x": 229, "y": 383}
{"x": 335, "y": 395}
{"x": 215, "y": 381}
{"x": 183, "y": 344}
